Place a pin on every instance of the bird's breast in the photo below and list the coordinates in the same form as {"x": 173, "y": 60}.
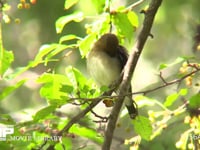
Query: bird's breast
{"x": 103, "y": 68}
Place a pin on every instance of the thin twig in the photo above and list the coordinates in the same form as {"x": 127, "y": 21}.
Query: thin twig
{"x": 167, "y": 83}
{"x": 161, "y": 77}
{"x": 103, "y": 119}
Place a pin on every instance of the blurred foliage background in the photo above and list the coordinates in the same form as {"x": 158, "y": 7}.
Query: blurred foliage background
{"x": 173, "y": 36}
{"x": 173, "y": 32}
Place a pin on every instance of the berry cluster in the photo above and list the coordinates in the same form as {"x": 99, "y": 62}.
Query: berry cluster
{"x": 187, "y": 68}
{"x": 25, "y": 5}
{"x": 6, "y": 7}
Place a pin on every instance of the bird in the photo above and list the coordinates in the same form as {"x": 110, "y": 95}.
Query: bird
{"x": 105, "y": 63}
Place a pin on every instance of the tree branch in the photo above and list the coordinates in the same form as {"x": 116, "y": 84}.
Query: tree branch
{"x": 80, "y": 115}
{"x": 129, "y": 69}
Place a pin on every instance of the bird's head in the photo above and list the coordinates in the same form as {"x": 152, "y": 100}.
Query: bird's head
{"x": 108, "y": 43}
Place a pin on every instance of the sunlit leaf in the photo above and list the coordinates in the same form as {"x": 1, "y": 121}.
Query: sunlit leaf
{"x": 87, "y": 133}
{"x": 183, "y": 92}
{"x": 41, "y": 114}
{"x": 99, "y": 5}
{"x": 55, "y": 88}
{"x": 9, "y": 89}
{"x": 177, "y": 61}
{"x": 59, "y": 48}
{"x": 86, "y": 44}
{"x": 67, "y": 143}
{"x": 6, "y": 59}
{"x": 123, "y": 25}
{"x": 6, "y": 119}
{"x": 80, "y": 83}
{"x": 43, "y": 51}
{"x": 68, "y": 38}
{"x": 173, "y": 97}
{"x": 133, "y": 18}
{"x": 48, "y": 51}
{"x": 105, "y": 24}
{"x": 143, "y": 127}
{"x": 62, "y": 21}
{"x": 76, "y": 76}
{"x": 70, "y": 3}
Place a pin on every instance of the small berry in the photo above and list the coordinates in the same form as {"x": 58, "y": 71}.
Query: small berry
{"x": 22, "y": 1}
{"x": 6, "y": 19}
{"x": 182, "y": 70}
{"x": 27, "y": 5}
{"x": 17, "y": 21}
{"x": 198, "y": 47}
{"x": 20, "y": 6}
{"x": 185, "y": 64}
{"x": 33, "y": 1}
{"x": 188, "y": 81}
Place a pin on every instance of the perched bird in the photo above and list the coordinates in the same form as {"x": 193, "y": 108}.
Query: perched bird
{"x": 106, "y": 61}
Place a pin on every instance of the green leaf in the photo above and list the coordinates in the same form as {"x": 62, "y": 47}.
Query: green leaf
{"x": 86, "y": 44}
{"x": 70, "y": 3}
{"x": 133, "y": 18}
{"x": 142, "y": 126}
{"x": 194, "y": 101}
{"x": 47, "y": 52}
{"x": 68, "y": 37}
{"x": 177, "y": 61}
{"x": 43, "y": 51}
{"x": 59, "y": 48}
{"x": 7, "y": 119}
{"x": 123, "y": 25}
{"x": 87, "y": 133}
{"x": 6, "y": 91}
{"x": 6, "y": 59}
{"x": 183, "y": 92}
{"x": 79, "y": 82}
{"x": 173, "y": 97}
{"x": 67, "y": 143}
{"x": 162, "y": 66}
{"x": 99, "y": 5}
{"x": 62, "y": 21}
{"x": 42, "y": 113}
{"x": 56, "y": 88}
{"x": 75, "y": 76}
{"x": 104, "y": 24}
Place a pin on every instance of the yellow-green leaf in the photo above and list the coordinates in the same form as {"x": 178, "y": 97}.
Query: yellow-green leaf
{"x": 143, "y": 127}
{"x": 62, "y": 21}
{"x": 70, "y": 3}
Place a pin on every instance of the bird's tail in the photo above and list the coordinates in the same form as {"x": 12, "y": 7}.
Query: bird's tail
{"x": 131, "y": 107}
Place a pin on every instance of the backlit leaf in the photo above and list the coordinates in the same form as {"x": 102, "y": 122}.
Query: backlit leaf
{"x": 9, "y": 89}
{"x": 70, "y": 3}
{"x": 62, "y": 21}
{"x": 41, "y": 114}
{"x": 143, "y": 127}
{"x": 6, "y": 59}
